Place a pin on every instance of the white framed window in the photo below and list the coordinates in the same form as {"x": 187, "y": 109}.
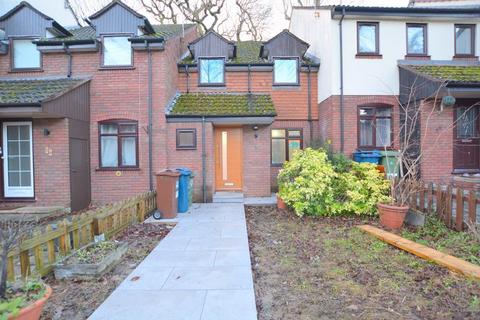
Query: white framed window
{"x": 285, "y": 71}
{"x": 117, "y": 51}
{"x": 25, "y": 54}
{"x": 212, "y": 71}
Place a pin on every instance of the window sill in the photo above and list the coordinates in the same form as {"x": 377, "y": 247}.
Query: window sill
{"x": 117, "y": 169}
{"x": 186, "y": 149}
{"x": 286, "y": 85}
{"x": 463, "y": 171}
{"x": 25, "y": 70}
{"x": 417, "y": 57}
{"x": 276, "y": 165}
{"x": 368, "y": 56}
{"x": 116, "y": 68}
{"x": 22, "y": 200}
{"x": 213, "y": 85}
{"x": 465, "y": 57}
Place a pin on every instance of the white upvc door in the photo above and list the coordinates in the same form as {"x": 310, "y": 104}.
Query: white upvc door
{"x": 17, "y": 160}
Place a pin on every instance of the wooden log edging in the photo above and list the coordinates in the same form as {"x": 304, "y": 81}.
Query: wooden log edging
{"x": 453, "y": 263}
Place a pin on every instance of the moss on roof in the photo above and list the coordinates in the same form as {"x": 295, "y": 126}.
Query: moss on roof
{"x": 466, "y": 73}
{"x": 239, "y": 105}
{"x": 34, "y": 91}
{"x": 88, "y": 33}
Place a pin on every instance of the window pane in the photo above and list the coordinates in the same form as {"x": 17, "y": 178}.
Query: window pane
{"x": 186, "y": 139}
{"x": 129, "y": 156}
{"x": 211, "y": 70}
{"x": 109, "y": 129}
{"x": 285, "y": 70}
{"x": 13, "y": 179}
{"x": 25, "y": 179}
{"x": 384, "y": 112}
{"x": 117, "y": 51}
{"x": 383, "y": 132}
{"x": 25, "y": 54}
{"x": 109, "y": 151}
{"x": 463, "y": 40}
{"x": 367, "y": 112}
{"x": 278, "y": 133}
{"x": 128, "y": 128}
{"x": 416, "y": 38}
{"x": 366, "y": 132}
{"x": 367, "y": 38}
{"x": 278, "y": 151}
{"x": 293, "y": 146}
{"x": 467, "y": 122}
{"x": 294, "y": 133}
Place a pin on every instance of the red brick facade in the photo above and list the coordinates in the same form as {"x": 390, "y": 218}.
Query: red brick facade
{"x": 329, "y": 119}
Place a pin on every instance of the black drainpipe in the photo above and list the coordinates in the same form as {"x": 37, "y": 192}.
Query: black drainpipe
{"x": 310, "y": 121}
{"x": 342, "y": 120}
{"x": 188, "y": 75}
{"x": 69, "y": 55}
{"x": 204, "y": 163}
{"x": 150, "y": 117}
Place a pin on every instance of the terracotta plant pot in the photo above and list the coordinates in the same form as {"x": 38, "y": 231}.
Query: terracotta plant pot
{"x": 33, "y": 311}
{"x": 281, "y": 204}
{"x": 391, "y": 217}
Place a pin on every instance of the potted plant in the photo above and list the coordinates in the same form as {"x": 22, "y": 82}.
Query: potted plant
{"x": 23, "y": 300}
{"x": 280, "y": 203}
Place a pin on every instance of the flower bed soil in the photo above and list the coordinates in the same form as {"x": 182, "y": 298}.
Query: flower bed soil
{"x": 76, "y": 299}
{"x": 325, "y": 268}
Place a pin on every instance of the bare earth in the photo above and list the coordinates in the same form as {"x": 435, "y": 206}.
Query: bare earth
{"x": 75, "y": 300}
{"x": 324, "y": 268}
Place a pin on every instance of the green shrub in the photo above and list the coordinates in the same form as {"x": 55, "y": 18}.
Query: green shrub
{"x": 314, "y": 185}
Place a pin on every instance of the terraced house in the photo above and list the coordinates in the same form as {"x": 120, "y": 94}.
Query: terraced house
{"x": 89, "y": 114}
{"x": 82, "y": 110}
{"x": 378, "y": 61}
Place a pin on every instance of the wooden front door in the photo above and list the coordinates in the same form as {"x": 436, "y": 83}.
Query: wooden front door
{"x": 228, "y": 159}
{"x": 466, "y": 140}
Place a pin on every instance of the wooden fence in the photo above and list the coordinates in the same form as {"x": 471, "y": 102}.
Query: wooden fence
{"x": 49, "y": 243}
{"x": 454, "y": 205}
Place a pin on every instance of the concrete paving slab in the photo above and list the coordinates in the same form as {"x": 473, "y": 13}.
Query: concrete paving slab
{"x": 201, "y": 270}
{"x": 146, "y": 278}
{"x": 180, "y": 259}
{"x": 209, "y": 278}
{"x": 151, "y": 305}
{"x": 232, "y": 258}
{"x": 230, "y": 305}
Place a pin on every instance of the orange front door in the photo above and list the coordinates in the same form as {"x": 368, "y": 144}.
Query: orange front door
{"x": 228, "y": 159}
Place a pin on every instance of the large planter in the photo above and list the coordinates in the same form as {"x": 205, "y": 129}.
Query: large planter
{"x": 391, "y": 216}
{"x": 66, "y": 269}
{"x": 281, "y": 204}
{"x": 33, "y": 311}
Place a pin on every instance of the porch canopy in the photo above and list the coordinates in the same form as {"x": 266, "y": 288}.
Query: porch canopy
{"x": 222, "y": 108}
{"x": 436, "y": 79}
{"x": 44, "y": 98}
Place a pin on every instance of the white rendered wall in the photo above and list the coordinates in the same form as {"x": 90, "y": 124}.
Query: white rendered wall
{"x": 367, "y": 76}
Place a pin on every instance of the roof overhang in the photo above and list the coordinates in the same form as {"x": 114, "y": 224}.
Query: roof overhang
{"x": 25, "y": 112}
{"x": 224, "y": 120}
{"x": 430, "y": 13}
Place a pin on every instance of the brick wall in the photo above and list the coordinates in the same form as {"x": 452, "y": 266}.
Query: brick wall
{"x": 290, "y": 102}
{"x": 51, "y": 162}
{"x": 256, "y": 161}
{"x": 436, "y": 143}
{"x": 329, "y": 119}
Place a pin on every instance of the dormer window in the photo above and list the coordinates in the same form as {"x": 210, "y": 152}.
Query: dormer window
{"x": 25, "y": 54}
{"x": 117, "y": 51}
{"x": 212, "y": 71}
{"x": 465, "y": 40}
{"x": 285, "y": 71}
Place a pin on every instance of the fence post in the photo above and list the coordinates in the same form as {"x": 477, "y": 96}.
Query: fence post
{"x": 10, "y": 269}
{"x": 430, "y": 197}
{"x": 439, "y": 201}
{"x": 448, "y": 203}
{"x": 24, "y": 263}
{"x": 472, "y": 207}
{"x": 459, "y": 211}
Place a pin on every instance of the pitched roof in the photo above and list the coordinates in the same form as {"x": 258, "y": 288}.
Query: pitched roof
{"x": 222, "y": 105}
{"x": 113, "y": 3}
{"x": 459, "y": 74}
{"x": 35, "y": 91}
{"x": 164, "y": 31}
{"x": 248, "y": 52}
